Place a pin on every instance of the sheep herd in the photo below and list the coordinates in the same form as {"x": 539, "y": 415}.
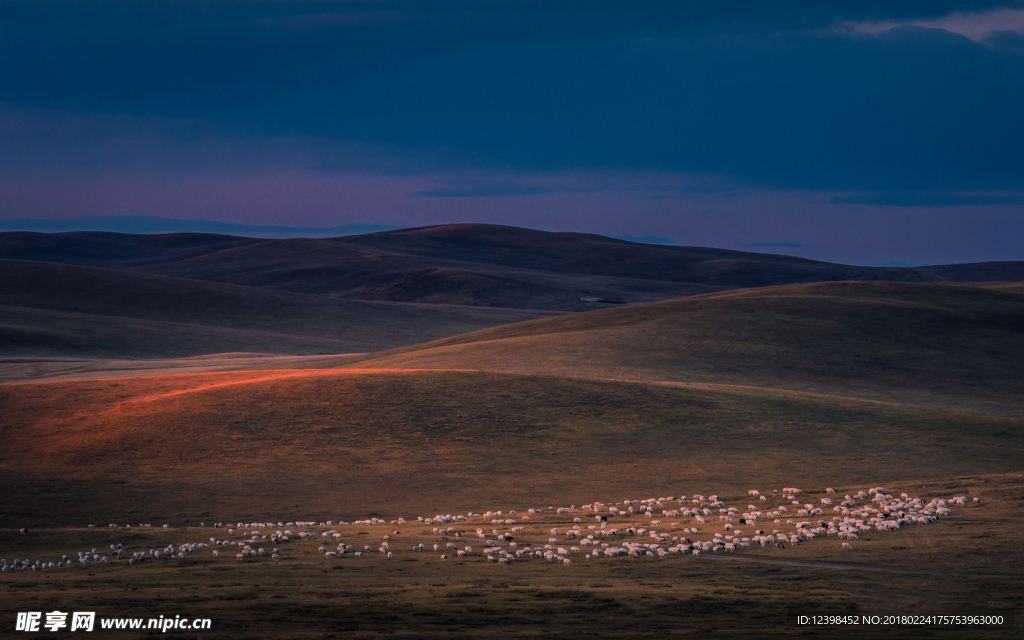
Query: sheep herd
{"x": 646, "y": 528}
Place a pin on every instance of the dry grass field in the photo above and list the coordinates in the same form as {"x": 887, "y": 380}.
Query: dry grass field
{"x": 916, "y": 388}
{"x": 345, "y": 443}
{"x": 966, "y": 563}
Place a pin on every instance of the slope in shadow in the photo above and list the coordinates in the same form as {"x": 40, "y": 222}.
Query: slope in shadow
{"x": 56, "y": 310}
{"x": 882, "y": 340}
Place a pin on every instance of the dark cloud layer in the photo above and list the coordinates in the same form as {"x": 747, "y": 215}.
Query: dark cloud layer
{"x": 772, "y": 93}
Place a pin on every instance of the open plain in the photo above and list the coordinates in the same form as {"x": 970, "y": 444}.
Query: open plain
{"x": 293, "y": 411}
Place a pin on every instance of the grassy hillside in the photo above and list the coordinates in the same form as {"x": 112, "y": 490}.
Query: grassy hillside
{"x": 59, "y": 311}
{"x": 348, "y": 443}
{"x": 930, "y": 342}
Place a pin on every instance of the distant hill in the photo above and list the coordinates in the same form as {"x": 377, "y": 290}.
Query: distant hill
{"x": 481, "y": 265}
{"x": 870, "y": 339}
{"x": 59, "y": 310}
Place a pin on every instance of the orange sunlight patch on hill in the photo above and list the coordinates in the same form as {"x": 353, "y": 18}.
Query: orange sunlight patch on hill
{"x": 332, "y": 443}
{"x": 232, "y": 379}
{"x": 86, "y": 415}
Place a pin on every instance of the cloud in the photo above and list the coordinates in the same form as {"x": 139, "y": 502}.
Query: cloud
{"x": 1009, "y": 40}
{"x": 760, "y": 92}
{"x": 929, "y": 199}
{"x": 978, "y": 26}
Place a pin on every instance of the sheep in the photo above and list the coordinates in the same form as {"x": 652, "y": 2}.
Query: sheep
{"x": 853, "y": 517}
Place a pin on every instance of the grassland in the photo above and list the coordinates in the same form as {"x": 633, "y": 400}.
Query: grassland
{"x": 341, "y": 443}
{"x": 943, "y": 568}
{"x": 851, "y": 385}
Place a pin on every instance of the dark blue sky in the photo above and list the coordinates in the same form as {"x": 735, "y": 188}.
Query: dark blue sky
{"x": 868, "y": 132}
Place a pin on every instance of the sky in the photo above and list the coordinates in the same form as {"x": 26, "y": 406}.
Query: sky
{"x": 868, "y": 132}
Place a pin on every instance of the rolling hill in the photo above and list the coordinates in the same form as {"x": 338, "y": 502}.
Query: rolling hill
{"x": 355, "y": 443}
{"x": 52, "y": 310}
{"x": 941, "y": 343}
{"x": 841, "y": 382}
{"x": 481, "y": 265}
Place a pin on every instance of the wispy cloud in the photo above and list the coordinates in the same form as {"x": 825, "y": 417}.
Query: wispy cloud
{"x": 978, "y": 26}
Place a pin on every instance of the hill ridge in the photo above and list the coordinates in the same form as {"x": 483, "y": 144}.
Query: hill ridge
{"x": 478, "y": 264}
{"x": 871, "y": 339}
